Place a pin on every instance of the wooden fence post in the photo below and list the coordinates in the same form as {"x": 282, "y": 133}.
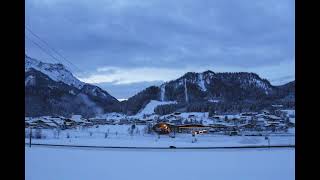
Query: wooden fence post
{"x": 30, "y": 137}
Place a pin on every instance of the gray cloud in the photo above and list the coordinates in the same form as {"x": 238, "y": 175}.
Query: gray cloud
{"x": 164, "y": 34}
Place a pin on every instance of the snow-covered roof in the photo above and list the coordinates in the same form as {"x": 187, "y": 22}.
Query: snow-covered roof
{"x": 77, "y": 118}
{"x": 289, "y": 111}
{"x": 292, "y": 120}
{"x": 51, "y": 124}
{"x": 273, "y": 117}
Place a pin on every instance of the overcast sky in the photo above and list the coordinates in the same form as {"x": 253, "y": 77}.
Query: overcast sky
{"x": 127, "y": 45}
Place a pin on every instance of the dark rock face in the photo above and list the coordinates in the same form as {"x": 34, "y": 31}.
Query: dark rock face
{"x": 140, "y": 100}
{"x": 50, "y": 89}
{"x": 43, "y": 96}
{"x": 219, "y": 88}
{"x": 223, "y": 86}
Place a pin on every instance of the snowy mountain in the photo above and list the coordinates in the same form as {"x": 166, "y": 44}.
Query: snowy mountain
{"x": 56, "y": 72}
{"x": 209, "y": 87}
{"x": 50, "y": 89}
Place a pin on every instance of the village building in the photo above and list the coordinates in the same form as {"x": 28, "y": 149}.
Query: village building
{"x": 42, "y": 123}
{"x": 68, "y": 123}
{"x": 246, "y": 127}
{"x": 166, "y": 128}
{"x": 123, "y": 121}
{"x": 176, "y": 122}
{"x": 189, "y": 128}
{"x": 217, "y": 127}
{"x": 139, "y": 122}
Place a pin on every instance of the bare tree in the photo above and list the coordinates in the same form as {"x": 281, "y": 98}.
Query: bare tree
{"x": 147, "y": 129}
{"x": 27, "y": 133}
{"x": 130, "y": 131}
{"x": 137, "y": 131}
{"x": 105, "y": 134}
{"x": 38, "y": 133}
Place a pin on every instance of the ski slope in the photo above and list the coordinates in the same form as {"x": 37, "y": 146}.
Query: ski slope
{"x": 149, "y": 108}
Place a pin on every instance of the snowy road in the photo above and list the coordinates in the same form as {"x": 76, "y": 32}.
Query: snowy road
{"x": 248, "y": 164}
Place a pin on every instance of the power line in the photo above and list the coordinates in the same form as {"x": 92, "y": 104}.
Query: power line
{"x": 43, "y": 49}
{"x": 52, "y": 49}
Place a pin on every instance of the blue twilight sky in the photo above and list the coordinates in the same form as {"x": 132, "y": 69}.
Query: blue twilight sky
{"x": 127, "y": 45}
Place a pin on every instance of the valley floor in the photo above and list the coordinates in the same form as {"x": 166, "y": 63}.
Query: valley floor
{"x": 249, "y": 164}
{"x": 119, "y": 136}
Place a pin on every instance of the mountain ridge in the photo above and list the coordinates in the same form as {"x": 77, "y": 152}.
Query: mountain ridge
{"x": 51, "y": 89}
{"x": 48, "y": 85}
{"x": 192, "y": 87}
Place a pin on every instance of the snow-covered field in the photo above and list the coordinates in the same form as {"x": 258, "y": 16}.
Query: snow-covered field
{"x": 81, "y": 164}
{"x": 118, "y": 136}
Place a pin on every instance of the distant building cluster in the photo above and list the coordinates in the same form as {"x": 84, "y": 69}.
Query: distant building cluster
{"x": 248, "y": 123}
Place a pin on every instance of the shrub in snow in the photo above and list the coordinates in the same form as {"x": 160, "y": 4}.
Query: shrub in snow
{"x": 130, "y": 131}
{"x": 147, "y": 129}
{"x": 137, "y": 131}
{"x": 27, "y": 133}
{"x": 56, "y": 133}
{"x": 38, "y": 134}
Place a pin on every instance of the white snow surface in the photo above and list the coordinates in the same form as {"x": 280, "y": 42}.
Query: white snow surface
{"x": 201, "y": 82}
{"x": 113, "y": 115}
{"x": 162, "y": 91}
{"x": 30, "y": 81}
{"x": 289, "y": 111}
{"x": 118, "y": 135}
{"x": 292, "y": 120}
{"x": 84, "y": 164}
{"x": 186, "y": 90}
{"x": 56, "y": 72}
{"x": 214, "y": 100}
{"x": 149, "y": 108}
{"x": 77, "y": 118}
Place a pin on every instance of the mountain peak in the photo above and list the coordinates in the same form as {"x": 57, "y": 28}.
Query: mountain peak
{"x": 57, "y": 72}
{"x": 52, "y": 89}
{"x": 209, "y": 72}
